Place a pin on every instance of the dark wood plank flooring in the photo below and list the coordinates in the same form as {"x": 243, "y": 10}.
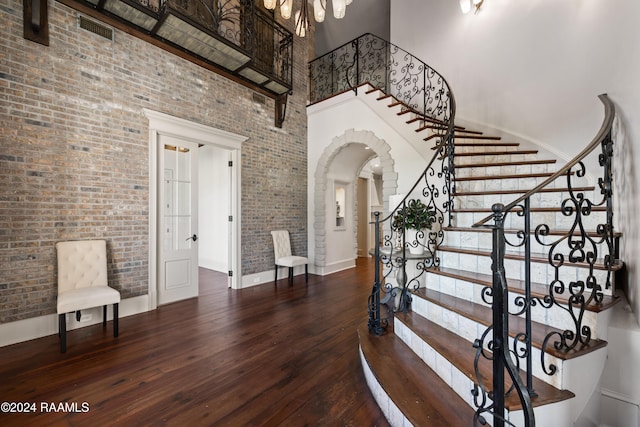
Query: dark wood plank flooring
{"x": 269, "y": 355}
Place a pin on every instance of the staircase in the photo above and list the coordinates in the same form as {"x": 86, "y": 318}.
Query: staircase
{"x": 422, "y": 370}
{"x": 499, "y": 314}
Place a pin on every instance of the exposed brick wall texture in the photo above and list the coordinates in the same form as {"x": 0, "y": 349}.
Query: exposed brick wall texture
{"x": 74, "y": 157}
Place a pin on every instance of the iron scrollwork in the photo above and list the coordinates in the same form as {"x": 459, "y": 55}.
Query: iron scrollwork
{"x": 383, "y": 65}
{"x": 588, "y": 246}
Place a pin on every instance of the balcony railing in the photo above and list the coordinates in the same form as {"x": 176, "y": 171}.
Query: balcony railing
{"x": 232, "y": 35}
{"x": 370, "y": 59}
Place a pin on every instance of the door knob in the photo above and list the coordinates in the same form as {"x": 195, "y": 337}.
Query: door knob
{"x": 194, "y": 237}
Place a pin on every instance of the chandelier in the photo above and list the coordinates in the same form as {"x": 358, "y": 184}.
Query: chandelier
{"x": 301, "y": 17}
{"x": 467, "y": 5}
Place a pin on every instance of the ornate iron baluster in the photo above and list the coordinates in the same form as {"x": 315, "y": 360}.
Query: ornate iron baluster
{"x": 376, "y": 324}
{"x": 497, "y": 350}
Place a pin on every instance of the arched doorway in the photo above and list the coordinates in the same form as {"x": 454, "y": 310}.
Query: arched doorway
{"x": 338, "y": 170}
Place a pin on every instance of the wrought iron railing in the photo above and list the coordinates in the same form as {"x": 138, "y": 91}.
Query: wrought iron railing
{"x": 577, "y": 247}
{"x": 403, "y": 253}
{"x": 235, "y": 35}
{"x": 249, "y": 29}
{"x": 370, "y": 59}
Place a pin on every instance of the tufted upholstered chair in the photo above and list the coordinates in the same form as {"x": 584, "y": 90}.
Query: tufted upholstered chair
{"x": 283, "y": 257}
{"x": 82, "y": 283}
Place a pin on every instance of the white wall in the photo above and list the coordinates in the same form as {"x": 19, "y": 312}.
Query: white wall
{"x": 214, "y": 187}
{"x": 620, "y": 388}
{"x": 535, "y": 68}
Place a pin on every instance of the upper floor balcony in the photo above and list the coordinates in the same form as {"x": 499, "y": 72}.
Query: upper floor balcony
{"x": 237, "y": 37}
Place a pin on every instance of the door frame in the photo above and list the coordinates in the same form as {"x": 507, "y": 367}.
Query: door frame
{"x": 165, "y": 124}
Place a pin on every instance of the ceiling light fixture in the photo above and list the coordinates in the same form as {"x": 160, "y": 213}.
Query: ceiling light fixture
{"x": 301, "y": 17}
{"x": 467, "y": 5}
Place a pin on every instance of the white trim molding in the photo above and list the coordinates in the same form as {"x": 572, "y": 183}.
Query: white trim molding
{"x": 165, "y": 124}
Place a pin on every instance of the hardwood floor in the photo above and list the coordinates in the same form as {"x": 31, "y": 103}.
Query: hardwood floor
{"x": 267, "y": 355}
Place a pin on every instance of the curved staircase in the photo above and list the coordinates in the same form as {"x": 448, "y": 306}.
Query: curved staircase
{"x": 502, "y": 319}
{"x": 421, "y": 371}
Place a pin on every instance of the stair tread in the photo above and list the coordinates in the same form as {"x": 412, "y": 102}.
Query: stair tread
{"x": 520, "y": 191}
{"x": 503, "y": 176}
{"x": 461, "y": 353}
{"x": 483, "y": 314}
{"x": 538, "y": 290}
{"x": 420, "y": 118}
{"x": 507, "y": 163}
{"x": 535, "y": 257}
{"x": 493, "y": 138}
{"x": 422, "y": 396}
{"x": 496, "y": 153}
{"x": 474, "y": 132}
{"x": 533, "y": 209}
{"x": 485, "y": 143}
{"x": 435, "y": 128}
{"x": 554, "y": 232}
{"x": 481, "y": 143}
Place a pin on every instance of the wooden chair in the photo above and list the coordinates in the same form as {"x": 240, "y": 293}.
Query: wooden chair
{"x": 82, "y": 283}
{"x": 283, "y": 256}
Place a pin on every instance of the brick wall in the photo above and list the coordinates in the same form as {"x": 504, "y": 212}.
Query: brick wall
{"x": 74, "y": 153}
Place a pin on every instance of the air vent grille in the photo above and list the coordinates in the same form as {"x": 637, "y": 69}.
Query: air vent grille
{"x": 95, "y": 27}
{"x": 260, "y": 99}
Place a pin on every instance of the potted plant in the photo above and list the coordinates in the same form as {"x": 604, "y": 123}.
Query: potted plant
{"x": 414, "y": 218}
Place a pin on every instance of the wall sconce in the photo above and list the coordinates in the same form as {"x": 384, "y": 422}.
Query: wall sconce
{"x": 467, "y": 5}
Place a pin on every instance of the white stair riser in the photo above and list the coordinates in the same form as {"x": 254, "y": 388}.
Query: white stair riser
{"x": 551, "y": 414}
{"x": 448, "y": 372}
{"x": 523, "y": 183}
{"x": 484, "y": 148}
{"x": 543, "y": 200}
{"x": 392, "y": 413}
{"x": 491, "y": 170}
{"x": 555, "y": 220}
{"x": 471, "y": 330}
{"x": 494, "y": 158}
{"x": 542, "y": 273}
{"x": 555, "y": 316}
{"x": 482, "y": 239}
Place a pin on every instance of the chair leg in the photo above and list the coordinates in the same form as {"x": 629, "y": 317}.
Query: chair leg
{"x": 115, "y": 319}
{"x": 276, "y": 275}
{"x": 290, "y": 276}
{"x": 306, "y": 273}
{"x": 104, "y": 316}
{"x": 62, "y": 331}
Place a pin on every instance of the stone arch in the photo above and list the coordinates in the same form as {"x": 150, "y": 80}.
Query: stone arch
{"x": 389, "y": 179}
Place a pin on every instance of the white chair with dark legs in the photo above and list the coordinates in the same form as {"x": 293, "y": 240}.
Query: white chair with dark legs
{"x": 82, "y": 283}
{"x": 283, "y": 256}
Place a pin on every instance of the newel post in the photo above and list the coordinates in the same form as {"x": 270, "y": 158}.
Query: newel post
{"x": 500, "y": 315}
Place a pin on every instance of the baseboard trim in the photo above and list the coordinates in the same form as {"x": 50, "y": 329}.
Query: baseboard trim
{"x": 263, "y": 277}
{"x": 42, "y": 326}
{"x": 334, "y": 267}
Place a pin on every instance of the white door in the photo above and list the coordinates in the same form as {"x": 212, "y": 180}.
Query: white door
{"x": 178, "y": 215}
